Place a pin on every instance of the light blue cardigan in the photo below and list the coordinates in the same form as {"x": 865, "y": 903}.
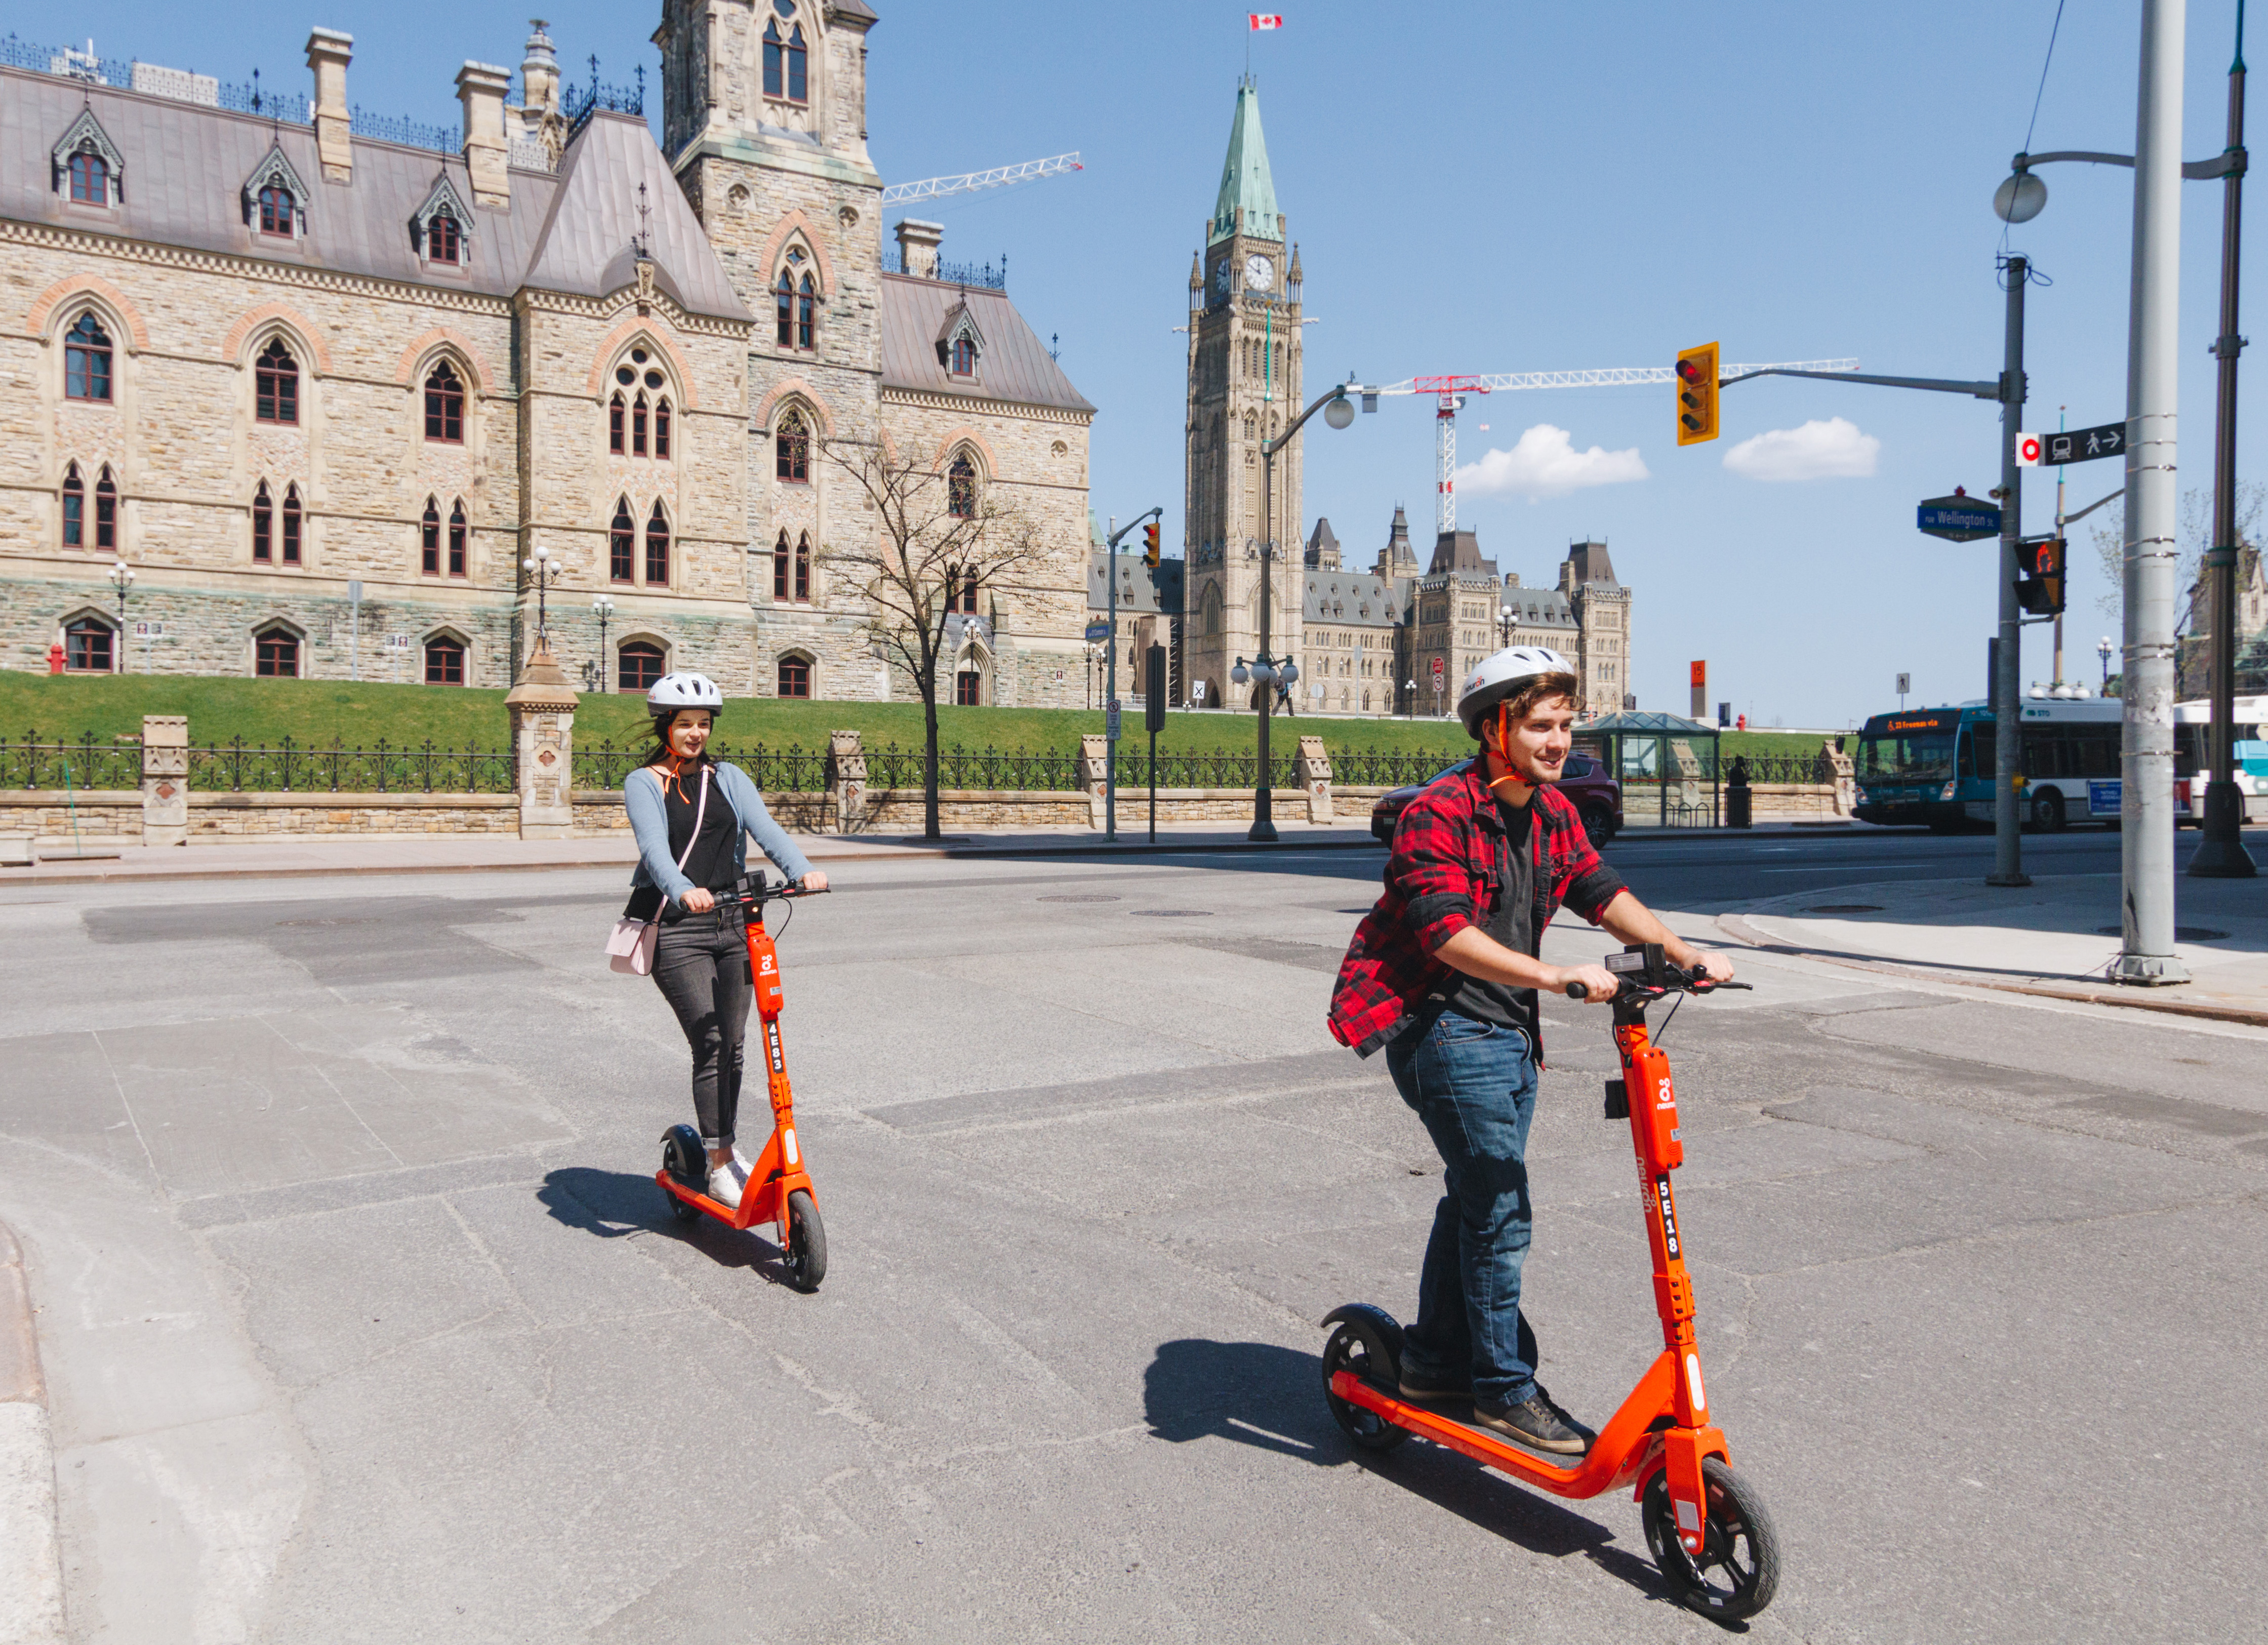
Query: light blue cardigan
{"x": 650, "y": 822}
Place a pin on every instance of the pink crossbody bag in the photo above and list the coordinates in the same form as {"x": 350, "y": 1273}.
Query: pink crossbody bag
{"x": 630, "y": 944}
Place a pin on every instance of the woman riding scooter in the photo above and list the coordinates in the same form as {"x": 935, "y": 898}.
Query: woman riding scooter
{"x": 693, "y": 818}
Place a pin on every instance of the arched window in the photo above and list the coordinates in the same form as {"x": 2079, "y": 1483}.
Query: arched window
{"x": 106, "y": 510}
{"x": 457, "y": 532}
{"x": 638, "y": 665}
{"x": 445, "y": 405}
{"x": 74, "y": 508}
{"x": 86, "y": 360}
{"x": 784, "y": 309}
{"x": 1213, "y": 611}
{"x": 276, "y": 380}
{"x": 791, "y": 446}
{"x": 961, "y": 591}
{"x": 799, "y": 81}
{"x": 444, "y": 244}
{"x": 264, "y": 524}
{"x": 275, "y": 654}
{"x": 276, "y": 207}
{"x": 960, "y": 489}
{"x": 621, "y": 544}
{"x": 656, "y": 546}
{"x": 795, "y": 676}
{"x": 969, "y": 688}
{"x": 86, "y": 646}
{"x": 661, "y": 428}
{"x": 964, "y": 358}
{"x": 445, "y": 660}
{"x": 429, "y": 539}
{"x": 803, "y": 566}
{"x": 90, "y": 179}
{"x": 806, "y": 314}
{"x": 780, "y": 558}
{"x": 638, "y": 427}
{"x": 787, "y": 73}
{"x": 615, "y": 426}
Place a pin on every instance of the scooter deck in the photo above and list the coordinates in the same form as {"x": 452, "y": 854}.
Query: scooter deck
{"x": 1627, "y": 1449}
{"x": 753, "y": 1209}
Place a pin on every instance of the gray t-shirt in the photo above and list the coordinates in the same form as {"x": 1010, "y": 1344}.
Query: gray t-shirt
{"x": 1513, "y": 925}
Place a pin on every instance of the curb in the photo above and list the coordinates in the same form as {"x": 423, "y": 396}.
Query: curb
{"x": 2075, "y": 993}
{"x": 31, "y": 1568}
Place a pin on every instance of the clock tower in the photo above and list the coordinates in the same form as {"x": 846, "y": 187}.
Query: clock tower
{"x": 1244, "y": 387}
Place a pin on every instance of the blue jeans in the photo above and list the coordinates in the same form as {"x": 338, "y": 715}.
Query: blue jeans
{"x": 1473, "y": 1085}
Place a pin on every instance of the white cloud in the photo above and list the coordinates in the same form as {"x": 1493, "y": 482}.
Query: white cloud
{"x": 1545, "y": 463}
{"x": 1832, "y": 450}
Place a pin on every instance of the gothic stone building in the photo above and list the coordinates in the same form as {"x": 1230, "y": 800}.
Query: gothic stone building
{"x": 265, "y": 358}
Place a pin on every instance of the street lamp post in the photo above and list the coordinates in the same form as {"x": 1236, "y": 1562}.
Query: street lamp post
{"x": 1340, "y": 412}
{"x": 2104, "y": 648}
{"x": 1410, "y": 689}
{"x": 122, "y": 579}
{"x": 544, "y": 571}
{"x": 602, "y": 608}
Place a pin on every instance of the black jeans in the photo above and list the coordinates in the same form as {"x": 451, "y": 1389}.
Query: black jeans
{"x": 700, "y": 964}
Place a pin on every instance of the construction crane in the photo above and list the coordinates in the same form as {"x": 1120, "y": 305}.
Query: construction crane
{"x": 969, "y": 182}
{"x": 1450, "y": 392}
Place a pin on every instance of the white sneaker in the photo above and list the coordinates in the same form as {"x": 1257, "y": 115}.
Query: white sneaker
{"x": 726, "y": 1182}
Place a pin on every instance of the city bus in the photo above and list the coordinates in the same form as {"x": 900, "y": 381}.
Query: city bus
{"x": 1934, "y": 765}
{"x": 2191, "y": 724}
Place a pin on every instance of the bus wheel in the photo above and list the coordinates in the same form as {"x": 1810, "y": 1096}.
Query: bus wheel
{"x": 2047, "y": 811}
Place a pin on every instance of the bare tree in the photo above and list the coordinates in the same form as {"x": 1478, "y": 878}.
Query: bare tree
{"x": 941, "y": 542}
{"x": 2109, "y": 534}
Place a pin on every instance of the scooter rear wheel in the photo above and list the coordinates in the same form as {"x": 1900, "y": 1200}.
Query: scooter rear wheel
{"x": 806, "y": 1243}
{"x": 1359, "y": 1346}
{"x": 1738, "y": 1570}
{"x": 684, "y": 1158}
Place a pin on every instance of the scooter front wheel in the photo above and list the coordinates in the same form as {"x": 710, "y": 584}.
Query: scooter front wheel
{"x": 1738, "y": 1568}
{"x": 806, "y": 1243}
{"x": 1361, "y": 1346}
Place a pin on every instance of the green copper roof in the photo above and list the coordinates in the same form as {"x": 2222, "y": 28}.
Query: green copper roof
{"x": 1245, "y": 184}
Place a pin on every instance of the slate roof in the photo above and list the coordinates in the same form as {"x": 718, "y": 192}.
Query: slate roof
{"x": 1340, "y": 596}
{"x": 1141, "y": 591}
{"x": 186, "y": 164}
{"x": 1014, "y": 366}
{"x": 1537, "y": 608}
{"x": 1459, "y": 552}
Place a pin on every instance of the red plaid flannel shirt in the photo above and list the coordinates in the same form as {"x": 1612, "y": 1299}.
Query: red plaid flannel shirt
{"x": 1445, "y": 874}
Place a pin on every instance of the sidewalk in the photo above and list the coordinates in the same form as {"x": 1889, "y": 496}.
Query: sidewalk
{"x": 2053, "y": 938}
{"x": 461, "y": 854}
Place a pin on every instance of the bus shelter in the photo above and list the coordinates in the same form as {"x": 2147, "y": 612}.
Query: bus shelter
{"x": 1667, "y": 765}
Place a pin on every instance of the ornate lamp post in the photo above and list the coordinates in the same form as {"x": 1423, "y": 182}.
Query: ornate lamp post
{"x": 2103, "y": 651}
{"x": 602, "y": 608}
{"x": 544, "y": 571}
{"x": 122, "y": 579}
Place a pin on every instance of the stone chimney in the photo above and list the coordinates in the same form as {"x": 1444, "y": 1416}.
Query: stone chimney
{"x": 328, "y": 53}
{"x": 538, "y": 72}
{"x": 481, "y": 88}
{"x": 917, "y": 243}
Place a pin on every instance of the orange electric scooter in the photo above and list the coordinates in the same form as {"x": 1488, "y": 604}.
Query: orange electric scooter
{"x": 780, "y": 1190}
{"x": 1706, "y": 1527}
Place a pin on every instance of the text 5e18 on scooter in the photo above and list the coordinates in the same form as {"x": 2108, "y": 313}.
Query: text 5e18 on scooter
{"x": 1706, "y": 1526}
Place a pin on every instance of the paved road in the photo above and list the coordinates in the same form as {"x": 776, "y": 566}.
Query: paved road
{"x": 363, "y": 1321}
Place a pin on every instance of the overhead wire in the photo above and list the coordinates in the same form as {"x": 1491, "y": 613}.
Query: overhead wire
{"x": 2032, "y": 125}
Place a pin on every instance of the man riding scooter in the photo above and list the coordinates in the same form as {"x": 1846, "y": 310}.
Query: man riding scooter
{"x": 1443, "y": 974}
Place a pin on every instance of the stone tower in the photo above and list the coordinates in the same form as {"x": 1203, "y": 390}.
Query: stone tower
{"x": 1244, "y": 387}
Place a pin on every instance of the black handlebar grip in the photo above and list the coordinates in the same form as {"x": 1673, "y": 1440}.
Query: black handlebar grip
{"x": 1577, "y": 991}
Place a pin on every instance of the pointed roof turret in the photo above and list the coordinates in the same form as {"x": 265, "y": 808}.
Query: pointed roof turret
{"x": 1196, "y": 272}
{"x": 1247, "y": 192}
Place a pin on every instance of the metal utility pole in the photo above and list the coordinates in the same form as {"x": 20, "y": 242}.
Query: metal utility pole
{"x": 2008, "y": 661}
{"x": 2222, "y": 855}
{"x": 2153, "y": 380}
{"x": 1110, "y": 676}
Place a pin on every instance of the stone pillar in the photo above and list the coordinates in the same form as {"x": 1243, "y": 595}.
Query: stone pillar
{"x": 328, "y": 53}
{"x": 481, "y": 88}
{"x": 542, "y": 708}
{"x": 846, "y": 780}
{"x": 1313, "y": 768}
{"x": 917, "y": 244}
{"x": 165, "y": 780}
{"x": 1840, "y": 766}
{"x": 1094, "y": 777}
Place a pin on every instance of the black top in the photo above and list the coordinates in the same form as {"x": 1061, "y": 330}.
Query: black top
{"x": 710, "y": 865}
{"x": 1513, "y": 924}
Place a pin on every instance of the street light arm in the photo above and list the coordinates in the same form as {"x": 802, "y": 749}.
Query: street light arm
{"x": 1338, "y": 392}
{"x": 1943, "y": 384}
{"x": 2222, "y": 165}
{"x": 2070, "y": 519}
{"x": 1159, "y": 510}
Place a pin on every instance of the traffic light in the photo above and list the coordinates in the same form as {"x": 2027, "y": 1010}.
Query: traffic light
{"x": 2039, "y": 585}
{"x": 1696, "y": 395}
{"x": 1150, "y": 544}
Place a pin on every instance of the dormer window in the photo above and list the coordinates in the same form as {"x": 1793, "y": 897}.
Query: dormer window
{"x": 88, "y": 168}
{"x": 964, "y": 358}
{"x": 274, "y": 211}
{"x": 442, "y": 244}
{"x": 787, "y": 74}
{"x": 90, "y": 180}
{"x": 440, "y": 229}
{"x": 275, "y": 199}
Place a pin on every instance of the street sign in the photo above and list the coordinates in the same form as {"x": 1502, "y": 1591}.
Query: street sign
{"x": 397, "y": 642}
{"x": 2078, "y": 444}
{"x": 1097, "y": 630}
{"x": 1958, "y": 519}
{"x": 1905, "y": 684}
{"x": 1111, "y": 725}
{"x": 1437, "y": 673}
{"x": 148, "y": 630}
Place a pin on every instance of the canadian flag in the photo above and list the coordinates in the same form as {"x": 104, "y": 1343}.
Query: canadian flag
{"x": 1266, "y": 19}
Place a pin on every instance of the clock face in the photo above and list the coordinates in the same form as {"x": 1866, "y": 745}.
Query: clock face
{"x": 1259, "y": 273}
{"x": 1220, "y": 276}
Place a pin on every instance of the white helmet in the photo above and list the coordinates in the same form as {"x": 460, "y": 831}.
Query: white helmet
{"x": 673, "y": 691}
{"x": 1501, "y": 676}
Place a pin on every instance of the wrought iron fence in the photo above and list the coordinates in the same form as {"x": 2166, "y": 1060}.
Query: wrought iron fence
{"x": 67, "y": 61}
{"x": 979, "y": 768}
{"x": 86, "y": 764}
{"x": 255, "y": 98}
{"x": 579, "y": 103}
{"x": 1781, "y": 768}
{"x": 414, "y": 134}
{"x": 239, "y": 768}
{"x": 984, "y": 277}
{"x": 790, "y": 770}
{"x": 1386, "y": 768}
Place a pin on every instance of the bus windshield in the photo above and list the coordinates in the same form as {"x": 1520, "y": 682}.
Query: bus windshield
{"x": 1919, "y": 757}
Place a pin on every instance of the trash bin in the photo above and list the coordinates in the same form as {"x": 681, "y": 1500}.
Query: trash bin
{"x": 1739, "y": 807}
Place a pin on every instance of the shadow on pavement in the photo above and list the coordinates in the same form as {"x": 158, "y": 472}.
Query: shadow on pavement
{"x": 613, "y": 1204}
{"x": 1272, "y": 1397}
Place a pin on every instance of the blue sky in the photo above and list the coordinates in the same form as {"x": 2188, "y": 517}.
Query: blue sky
{"x": 1511, "y": 186}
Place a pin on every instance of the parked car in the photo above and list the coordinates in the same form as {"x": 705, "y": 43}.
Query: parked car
{"x": 1597, "y": 797}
